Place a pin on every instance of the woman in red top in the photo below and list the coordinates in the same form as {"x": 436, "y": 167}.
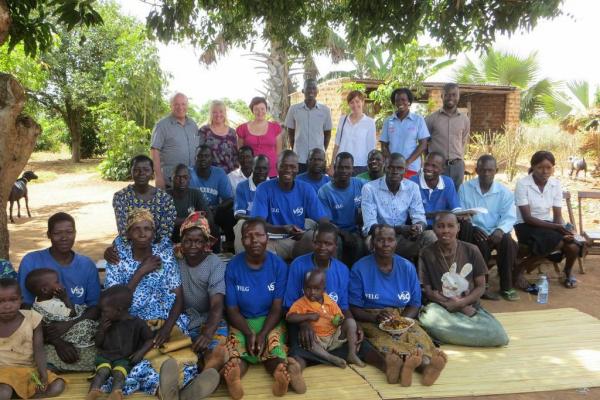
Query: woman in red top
{"x": 262, "y": 135}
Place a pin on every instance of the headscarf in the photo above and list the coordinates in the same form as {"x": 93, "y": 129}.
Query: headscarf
{"x": 136, "y": 215}
{"x": 7, "y": 270}
{"x": 197, "y": 220}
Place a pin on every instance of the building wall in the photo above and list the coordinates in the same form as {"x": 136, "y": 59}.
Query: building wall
{"x": 487, "y": 112}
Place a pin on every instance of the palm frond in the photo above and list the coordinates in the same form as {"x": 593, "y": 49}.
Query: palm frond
{"x": 580, "y": 90}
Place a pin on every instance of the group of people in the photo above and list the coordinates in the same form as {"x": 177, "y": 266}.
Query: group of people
{"x": 322, "y": 261}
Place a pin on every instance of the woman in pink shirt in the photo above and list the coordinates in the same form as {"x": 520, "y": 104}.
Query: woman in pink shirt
{"x": 262, "y": 135}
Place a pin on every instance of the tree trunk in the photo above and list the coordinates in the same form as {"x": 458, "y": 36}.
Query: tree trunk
{"x": 74, "y": 125}
{"x": 18, "y": 134}
{"x": 5, "y": 21}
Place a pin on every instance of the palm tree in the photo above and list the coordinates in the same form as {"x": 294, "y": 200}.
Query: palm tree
{"x": 373, "y": 60}
{"x": 503, "y": 68}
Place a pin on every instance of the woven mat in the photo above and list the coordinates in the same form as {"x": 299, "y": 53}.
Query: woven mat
{"x": 323, "y": 382}
{"x": 549, "y": 350}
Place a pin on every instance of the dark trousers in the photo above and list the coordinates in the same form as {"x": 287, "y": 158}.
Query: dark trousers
{"x": 506, "y": 250}
{"x": 352, "y": 250}
{"x": 224, "y": 218}
{"x": 456, "y": 171}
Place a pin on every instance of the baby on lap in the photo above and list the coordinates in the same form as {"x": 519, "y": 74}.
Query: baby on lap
{"x": 52, "y": 302}
{"x": 326, "y": 319}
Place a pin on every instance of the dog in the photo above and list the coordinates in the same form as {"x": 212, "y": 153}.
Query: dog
{"x": 577, "y": 164}
{"x": 18, "y": 191}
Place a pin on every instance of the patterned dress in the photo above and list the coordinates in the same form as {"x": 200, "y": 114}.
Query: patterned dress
{"x": 153, "y": 299}
{"x": 161, "y": 206}
{"x": 224, "y": 148}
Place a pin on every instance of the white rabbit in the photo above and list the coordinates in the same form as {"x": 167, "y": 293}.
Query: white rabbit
{"x": 454, "y": 284}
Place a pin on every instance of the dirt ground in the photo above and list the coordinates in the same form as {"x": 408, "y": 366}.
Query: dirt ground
{"x": 80, "y": 191}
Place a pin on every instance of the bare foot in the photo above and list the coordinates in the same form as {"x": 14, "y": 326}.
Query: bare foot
{"x": 231, "y": 373}
{"x": 412, "y": 361}
{"x": 217, "y": 357}
{"x": 393, "y": 363}
{"x": 435, "y": 367}
{"x": 115, "y": 395}
{"x": 296, "y": 379}
{"x": 93, "y": 394}
{"x": 353, "y": 359}
{"x": 282, "y": 380}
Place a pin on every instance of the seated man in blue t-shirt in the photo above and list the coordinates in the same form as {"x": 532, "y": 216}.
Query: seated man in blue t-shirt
{"x": 244, "y": 197}
{"x": 341, "y": 198}
{"x": 315, "y": 170}
{"x": 285, "y": 204}
{"x": 214, "y": 184}
{"x": 437, "y": 191}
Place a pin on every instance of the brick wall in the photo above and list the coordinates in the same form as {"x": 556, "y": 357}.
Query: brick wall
{"x": 512, "y": 109}
{"x": 487, "y": 111}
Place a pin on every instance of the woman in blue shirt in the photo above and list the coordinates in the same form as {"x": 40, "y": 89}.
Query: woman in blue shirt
{"x": 254, "y": 287}
{"x": 383, "y": 286}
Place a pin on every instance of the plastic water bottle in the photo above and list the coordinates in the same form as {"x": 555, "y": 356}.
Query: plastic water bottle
{"x": 542, "y": 285}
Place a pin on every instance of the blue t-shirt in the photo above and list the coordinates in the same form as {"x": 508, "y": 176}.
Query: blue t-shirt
{"x": 244, "y": 197}
{"x": 442, "y": 198}
{"x": 337, "y": 279}
{"x": 342, "y": 204}
{"x": 216, "y": 188}
{"x": 253, "y": 291}
{"x": 371, "y": 288}
{"x": 402, "y": 136}
{"x": 279, "y": 207}
{"x": 315, "y": 184}
{"x": 80, "y": 278}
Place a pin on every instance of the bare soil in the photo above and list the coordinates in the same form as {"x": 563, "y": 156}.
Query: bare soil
{"x": 79, "y": 190}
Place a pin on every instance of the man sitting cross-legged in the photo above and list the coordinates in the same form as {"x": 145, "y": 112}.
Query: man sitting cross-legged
{"x": 341, "y": 198}
{"x": 285, "y": 203}
{"x": 392, "y": 200}
{"x": 492, "y": 230}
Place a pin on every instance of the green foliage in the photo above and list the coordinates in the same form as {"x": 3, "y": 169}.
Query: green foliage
{"x": 502, "y": 68}
{"x": 410, "y": 67}
{"x": 53, "y": 132}
{"x": 34, "y": 21}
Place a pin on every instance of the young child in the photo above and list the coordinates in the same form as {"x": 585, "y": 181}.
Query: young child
{"x": 22, "y": 359}
{"x": 326, "y": 319}
{"x": 122, "y": 341}
{"x": 52, "y": 302}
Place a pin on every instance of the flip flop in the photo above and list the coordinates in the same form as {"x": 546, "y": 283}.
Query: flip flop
{"x": 531, "y": 289}
{"x": 570, "y": 283}
{"x": 510, "y": 295}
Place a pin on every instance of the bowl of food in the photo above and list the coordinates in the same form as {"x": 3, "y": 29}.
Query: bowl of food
{"x": 396, "y": 325}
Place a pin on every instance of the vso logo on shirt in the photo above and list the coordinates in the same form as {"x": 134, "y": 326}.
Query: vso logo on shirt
{"x": 357, "y": 201}
{"x": 242, "y": 288}
{"x": 77, "y": 291}
{"x": 298, "y": 211}
{"x": 404, "y": 296}
{"x": 275, "y": 210}
{"x": 372, "y": 296}
{"x": 271, "y": 286}
{"x": 334, "y": 296}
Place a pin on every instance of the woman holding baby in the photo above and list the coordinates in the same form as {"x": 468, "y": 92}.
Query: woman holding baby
{"x": 453, "y": 276}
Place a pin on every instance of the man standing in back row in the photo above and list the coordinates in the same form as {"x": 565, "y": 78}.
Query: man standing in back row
{"x": 449, "y": 129}
{"x": 174, "y": 141}
{"x": 308, "y": 124}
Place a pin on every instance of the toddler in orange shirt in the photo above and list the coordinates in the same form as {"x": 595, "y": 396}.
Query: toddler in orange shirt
{"x": 326, "y": 318}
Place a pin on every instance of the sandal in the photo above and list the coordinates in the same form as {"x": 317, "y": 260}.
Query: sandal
{"x": 532, "y": 289}
{"x": 510, "y": 295}
{"x": 570, "y": 283}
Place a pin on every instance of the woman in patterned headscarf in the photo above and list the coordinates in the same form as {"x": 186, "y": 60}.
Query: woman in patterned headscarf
{"x": 152, "y": 273}
{"x": 203, "y": 282}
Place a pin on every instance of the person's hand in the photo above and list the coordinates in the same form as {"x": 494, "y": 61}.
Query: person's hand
{"x": 383, "y": 315}
{"x": 105, "y": 324}
{"x": 61, "y": 294}
{"x": 563, "y": 231}
{"x": 251, "y": 343}
{"x": 66, "y": 351}
{"x": 496, "y": 237}
{"x": 162, "y": 336}
{"x": 43, "y": 376}
{"x": 111, "y": 256}
{"x": 313, "y": 316}
{"x": 159, "y": 181}
{"x": 415, "y": 230}
{"x": 259, "y": 345}
{"x": 479, "y": 236}
{"x": 55, "y": 330}
{"x": 469, "y": 310}
{"x": 306, "y": 335}
{"x": 294, "y": 231}
{"x": 150, "y": 264}
{"x": 454, "y": 304}
{"x": 137, "y": 356}
{"x": 201, "y": 343}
